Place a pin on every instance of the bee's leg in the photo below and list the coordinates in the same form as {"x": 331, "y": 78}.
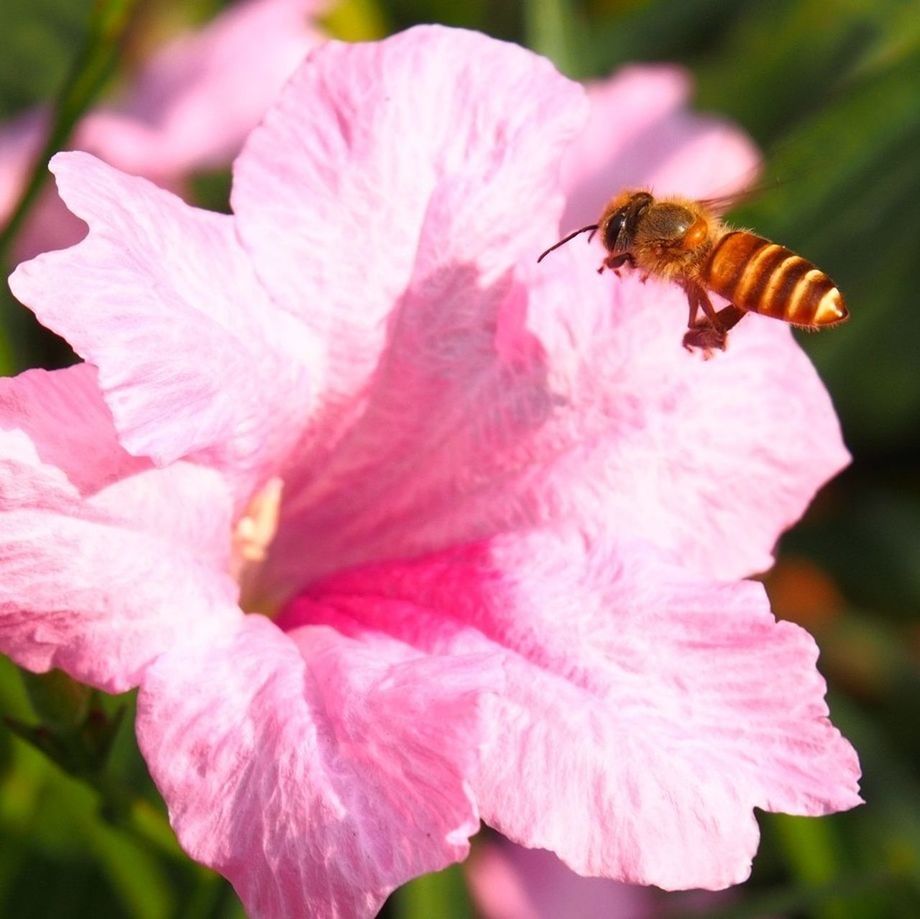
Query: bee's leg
{"x": 702, "y": 299}
{"x": 729, "y": 316}
{"x": 698, "y": 298}
{"x": 712, "y": 333}
{"x": 706, "y": 337}
{"x": 617, "y": 261}
{"x": 693, "y": 301}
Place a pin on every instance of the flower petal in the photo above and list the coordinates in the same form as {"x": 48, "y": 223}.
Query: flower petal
{"x": 104, "y": 561}
{"x": 316, "y": 773}
{"x": 640, "y": 133}
{"x": 390, "y": 166}
{"x": 193, "y": 359}
{"x": 709, "y": 459}
{"x": 572, "y": 400}
{"x": 647, "y": 712}
{"x": 440, "y": 450}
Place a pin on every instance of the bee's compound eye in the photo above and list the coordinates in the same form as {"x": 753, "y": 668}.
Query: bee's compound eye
{"x": 613, "y": 230}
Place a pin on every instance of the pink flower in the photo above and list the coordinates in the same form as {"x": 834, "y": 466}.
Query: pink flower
{"x": 510, "y": 882}
{"x": 190, "y": 107}
{"x": 640, "y": 132}
{"x": 510, "y": 503}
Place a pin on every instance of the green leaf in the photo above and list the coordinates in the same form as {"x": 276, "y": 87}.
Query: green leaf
{"x": 656, "y": 31}
{"x": 40, "y": 41}
{"x": 553, "y": 28}
{"x": 355, "y": 20}
{"x": 443, "y": 894}
{"x": 58, "y": 700}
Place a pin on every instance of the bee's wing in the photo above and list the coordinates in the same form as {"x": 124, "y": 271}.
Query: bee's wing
{"x": 720, "y": 204}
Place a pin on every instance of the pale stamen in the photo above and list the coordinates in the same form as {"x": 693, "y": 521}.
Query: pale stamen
{"x": 256, "y": 529}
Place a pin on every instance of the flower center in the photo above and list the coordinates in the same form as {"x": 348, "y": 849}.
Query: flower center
{"x": 253, "y": 535}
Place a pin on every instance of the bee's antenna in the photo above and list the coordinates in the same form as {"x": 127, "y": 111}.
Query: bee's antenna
{"x": 593, "y": 228}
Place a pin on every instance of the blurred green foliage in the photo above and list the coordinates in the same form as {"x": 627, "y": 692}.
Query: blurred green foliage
{"x": 830, "y": 89}
{"x": 41, "y": 38}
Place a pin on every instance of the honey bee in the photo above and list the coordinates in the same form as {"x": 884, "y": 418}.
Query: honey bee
{"x": 684, "y": 241}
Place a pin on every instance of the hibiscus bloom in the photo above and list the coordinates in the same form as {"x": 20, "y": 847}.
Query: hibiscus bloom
{"x": 189, "y": 108}
{"x": 491, "y": 508}
{"x": 511, "y": 882}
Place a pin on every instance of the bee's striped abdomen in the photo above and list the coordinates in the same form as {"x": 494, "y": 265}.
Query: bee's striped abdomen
{"x": 763, "y": 277}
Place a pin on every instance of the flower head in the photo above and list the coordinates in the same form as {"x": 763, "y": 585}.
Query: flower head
{"x": 509, "y": 502}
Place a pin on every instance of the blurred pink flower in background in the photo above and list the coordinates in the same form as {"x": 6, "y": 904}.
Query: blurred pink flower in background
{"x": 512, "y": 509}
{"x": 511, "y": 882}
{"x": 640, "y": 132}
{"x": 189, "y": 108}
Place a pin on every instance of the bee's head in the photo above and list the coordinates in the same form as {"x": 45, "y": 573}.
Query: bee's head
{"x": 620, "y": 220}
{"x": 617, "y": 225}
